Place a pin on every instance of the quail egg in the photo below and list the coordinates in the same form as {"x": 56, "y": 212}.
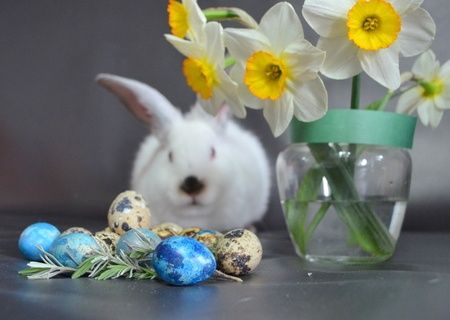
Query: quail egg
{"x": 73, "y": 248}
{"x": 238, "y": 252}
{"x": 209, "y": 238}
{"x": 38, "y": 234}
{"x": 128, "y": 211}
{"x": 166, "y": 230}
{"x": 76, "y": 230}
{"x": 137, "y": 238}
{"x": 109, "y": 239}
{"x": 190, "y": 232}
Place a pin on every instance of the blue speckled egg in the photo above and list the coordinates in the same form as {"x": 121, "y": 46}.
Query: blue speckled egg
{"x": 72, "y": 249}
{"x": 131, "y": 239}
{"x": 40, "y": 233}
{"x": 183, "y": 261}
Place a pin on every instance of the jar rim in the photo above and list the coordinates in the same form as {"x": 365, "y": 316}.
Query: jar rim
{"x": 357, "y": 126}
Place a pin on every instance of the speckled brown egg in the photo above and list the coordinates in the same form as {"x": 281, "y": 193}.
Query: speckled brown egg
{"x": 239, "y": 252}
{"x": 128, "y": 211}
{"x": 190, "y": 232}
{"x": 109, "y": 239}
{"x": 167, "y": 230}
{"x": 209, "y": 238}
{"x": 76, "y": 230}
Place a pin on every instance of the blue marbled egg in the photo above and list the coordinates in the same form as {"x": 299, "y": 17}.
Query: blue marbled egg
{"x": 131, "y": 239}
{"x": 72, "y": 249}
{"x": 183, "y": 261}
{"x": 42, "y": 234}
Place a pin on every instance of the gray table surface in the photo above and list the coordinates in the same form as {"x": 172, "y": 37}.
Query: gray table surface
{"x": 415, "y": 284}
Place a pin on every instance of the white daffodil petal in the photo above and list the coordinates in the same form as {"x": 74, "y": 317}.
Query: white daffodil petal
{"x": 327, "y": 17}
{"x": 248, "y": 99}
{"x": 341, "y": 60}
{"x": 435, "y": 115}
{"x": 423, "y": 110}
{"x": 442, "y": 102}
{"x": 278, "y": 113}
{"x": 212, "y": 105}
{"x": 310, "y": 100}
{"x": 281, "y": 26}
{"x": 245, "y": 18}
{"x": 185, "y": 47}
{"x": 304, "y": 59}
{"x": 197, "y": 20}
{"x": 426, "y": 66}
{"x": 215, "y": 48}
{"x": 409, "y": 101}
{"x": 243, "y": 42}
{"x": 418, "y": 31}
{"x": 445, "y": 71}
{"x": 382, "y": 66}
{"x": 228, "y": 90}
{"x": 405, "y": 6}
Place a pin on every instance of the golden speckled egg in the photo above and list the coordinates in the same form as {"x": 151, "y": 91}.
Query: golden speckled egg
{"x": 190, "y": 232}
{"x": 76, "y": 230}
{"x": 109, "y": 239}
{"x": 210, "y": 238}
{"x": 167, "y": 230}
{"x": 238, "y": 252}
{"x": 128, "y": 211}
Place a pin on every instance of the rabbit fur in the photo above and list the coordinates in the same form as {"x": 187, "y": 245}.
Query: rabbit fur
{"x": 228, "y": 169}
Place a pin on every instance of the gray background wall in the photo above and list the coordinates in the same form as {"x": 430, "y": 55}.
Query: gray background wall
{"x": 66, "y": 146}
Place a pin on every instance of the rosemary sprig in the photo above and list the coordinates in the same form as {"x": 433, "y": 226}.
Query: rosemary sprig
{"x": 103, "y": 265}
{"x": 49, "y": 268}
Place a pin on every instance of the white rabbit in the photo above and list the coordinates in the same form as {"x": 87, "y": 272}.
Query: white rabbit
{"x": 195, "y": 170}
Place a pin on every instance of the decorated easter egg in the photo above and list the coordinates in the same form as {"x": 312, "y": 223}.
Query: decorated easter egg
{"x": 209, "y": 238}
{"x": 238, "y": 252}
{"x": 109, "y": 238}
{"x": 183, "y": 261}
{"x": 137, "y": 238}
{"x": 76, "y": 230}
{"x": 167, "y": 229}
{"x": 72, "y": 249}
{"x": 128, "y": 211}
{"x": 38, "y": 234}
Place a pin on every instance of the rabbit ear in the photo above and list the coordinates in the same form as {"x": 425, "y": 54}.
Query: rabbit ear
{"x": 145, "y": 102}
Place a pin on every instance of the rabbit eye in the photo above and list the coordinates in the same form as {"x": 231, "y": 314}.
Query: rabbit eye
{"x": 213, "y": 153}
{"x": 170, "y": 156}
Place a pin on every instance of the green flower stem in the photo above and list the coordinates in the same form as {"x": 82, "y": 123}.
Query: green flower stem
{"x": 381, "y": 104}
{"x": 354, "y": 104}
{"x": 297, "y": 209}
{"x": 318, "y": 217}
{"x": 296, "y": 213}
{"x": 356, "y": 91}
{"x": 230, "y": 13}
{"x": 385, "y": 100}
{"x": 365, "y": 227}
{"x": 229, "y": 61}
{"x": 221, "y": 14}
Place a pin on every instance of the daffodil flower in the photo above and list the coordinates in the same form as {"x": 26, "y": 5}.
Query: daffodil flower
{"x": 369, "y": 35}
{"x": 186, "y": 19}
{"x": 277, "y": 69}
{"x": 204, "y": 70}
{"x": 432, "y": 95}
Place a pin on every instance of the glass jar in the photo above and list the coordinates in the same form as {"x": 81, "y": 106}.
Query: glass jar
{"x": 344, "y": 196}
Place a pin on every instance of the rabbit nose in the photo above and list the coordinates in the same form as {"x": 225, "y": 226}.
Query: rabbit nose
{"x": 192, "y": 185}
